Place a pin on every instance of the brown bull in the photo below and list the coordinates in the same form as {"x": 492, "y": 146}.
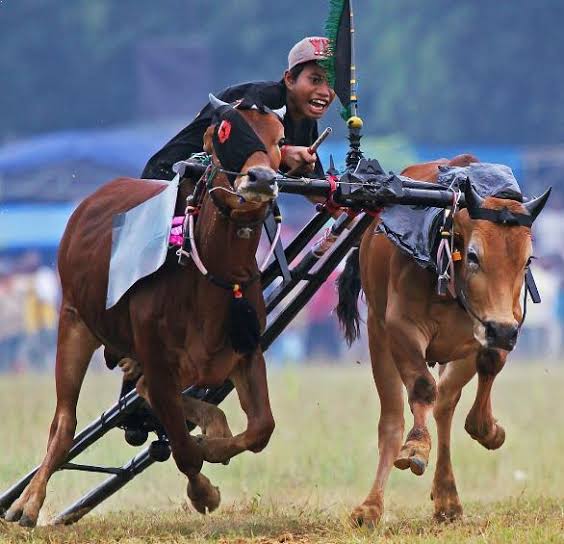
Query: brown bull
{"x": 172, "y": 322}
{"x": 409, "y": 324}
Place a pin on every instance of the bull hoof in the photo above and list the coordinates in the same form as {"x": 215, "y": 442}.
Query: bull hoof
{"x": 212, "y": 449}
{"x": 26, "y": 521}
{"x": 446, "y": 502}
{"x": 13, "y": 515}
{"x": 414, "y": 461}
{"x": 491, "y": 440}
{"x": 204, "y": 496}
{"x": 448, "y": 512}
{"x": 366, "y": 515}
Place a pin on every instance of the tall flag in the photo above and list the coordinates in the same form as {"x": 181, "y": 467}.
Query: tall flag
{"x": 341, "y": 71}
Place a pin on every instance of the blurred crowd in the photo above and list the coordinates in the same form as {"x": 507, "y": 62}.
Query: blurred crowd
{"x": 29, "y": 303}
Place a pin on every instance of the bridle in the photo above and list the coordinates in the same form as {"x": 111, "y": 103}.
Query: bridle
{"x": 503, "y": 217}
{"x": 205, "y": 185}
{"x": 207, "y": 180}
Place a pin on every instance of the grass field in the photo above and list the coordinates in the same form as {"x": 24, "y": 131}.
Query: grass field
{"x": 318, "y": 466}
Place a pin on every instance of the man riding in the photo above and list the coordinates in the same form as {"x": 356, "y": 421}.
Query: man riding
{"x": 304, "y": 90}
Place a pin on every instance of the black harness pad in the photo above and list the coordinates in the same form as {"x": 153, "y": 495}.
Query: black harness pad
{"x": 233, "y": 153}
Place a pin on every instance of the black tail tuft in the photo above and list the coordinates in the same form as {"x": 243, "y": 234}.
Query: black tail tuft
{"x": 244, "y": 326}
{"x": 349, "y": 288}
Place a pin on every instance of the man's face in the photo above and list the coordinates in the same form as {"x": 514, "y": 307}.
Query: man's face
{"x": 309, "y": 95}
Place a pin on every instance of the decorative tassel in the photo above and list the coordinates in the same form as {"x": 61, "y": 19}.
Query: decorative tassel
{"x": 244, "y": 326}
{"x": 331, "y": 30}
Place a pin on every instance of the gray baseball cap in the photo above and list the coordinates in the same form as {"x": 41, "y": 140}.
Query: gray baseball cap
{"x": 308, "y": 49}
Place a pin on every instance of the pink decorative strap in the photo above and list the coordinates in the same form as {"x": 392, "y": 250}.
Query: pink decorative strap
{"x": 177, "y": 232}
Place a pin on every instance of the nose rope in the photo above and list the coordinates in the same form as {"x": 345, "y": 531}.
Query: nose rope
{"x": 220, "y": 188}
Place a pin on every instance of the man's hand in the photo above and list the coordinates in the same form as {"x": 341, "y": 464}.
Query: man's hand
{"x": 298, "y": 160}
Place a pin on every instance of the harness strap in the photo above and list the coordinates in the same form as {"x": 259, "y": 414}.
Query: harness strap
{"x": 463, "y": 301}
{"x": 502, "y": 217}
{"x": 218, "y": 282}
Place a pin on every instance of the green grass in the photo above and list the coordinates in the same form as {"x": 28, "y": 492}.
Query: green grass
{"x": 319, "y": 464}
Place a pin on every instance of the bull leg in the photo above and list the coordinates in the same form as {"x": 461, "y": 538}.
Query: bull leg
{"x": 408, "y": 347}
{"x": 160, "y": 385}
{"x": 390, "y": 426}
{"x": 75, "y": 346}
{"x": 249, "y": 378}
{"x": 208, "y": 417}
{"x": 480, "y": 423}
{"x": 453, "y": 377}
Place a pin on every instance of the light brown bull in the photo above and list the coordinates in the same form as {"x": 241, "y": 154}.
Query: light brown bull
{"x": 409, "y": 324}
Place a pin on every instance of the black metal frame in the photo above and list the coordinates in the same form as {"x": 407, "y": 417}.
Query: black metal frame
{"x": 366, "y": 192}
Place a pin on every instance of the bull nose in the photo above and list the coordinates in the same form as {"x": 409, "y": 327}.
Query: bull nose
{"x": 261, "y": 181}
{"x": 501, "y": 335}
{"x": 261, "y": 175}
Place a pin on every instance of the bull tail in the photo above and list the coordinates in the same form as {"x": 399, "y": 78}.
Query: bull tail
{"x": 349, "y": 286}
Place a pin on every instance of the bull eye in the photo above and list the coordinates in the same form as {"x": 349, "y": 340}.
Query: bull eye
{"x": 472, "y": 260}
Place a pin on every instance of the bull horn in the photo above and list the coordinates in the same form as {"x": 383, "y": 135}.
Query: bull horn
{"x": 216, "y": 102}
{"x": 535, "y": 206}
{"x": 281, "y": 112}
{"x": 473, "y": 199}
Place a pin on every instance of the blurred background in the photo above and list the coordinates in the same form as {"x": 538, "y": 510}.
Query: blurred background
{"x": 90, "y": 90}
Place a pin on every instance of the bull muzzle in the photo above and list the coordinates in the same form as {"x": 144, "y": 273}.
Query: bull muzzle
{"x": 259, "y": 185}
{"x": 501, "y": 335}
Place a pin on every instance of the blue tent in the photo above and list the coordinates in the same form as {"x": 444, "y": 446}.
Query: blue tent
{"x": 126, "y": 148}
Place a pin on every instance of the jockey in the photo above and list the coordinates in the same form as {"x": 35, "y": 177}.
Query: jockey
{"x": 305, "y": 92}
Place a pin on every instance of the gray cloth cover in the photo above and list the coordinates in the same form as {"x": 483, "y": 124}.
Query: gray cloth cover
{"x": 415, "y": 229}
{"x": 140, "y": 241}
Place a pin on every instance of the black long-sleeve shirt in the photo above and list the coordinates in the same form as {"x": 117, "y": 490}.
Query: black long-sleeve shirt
{"x": 191, "y": 139}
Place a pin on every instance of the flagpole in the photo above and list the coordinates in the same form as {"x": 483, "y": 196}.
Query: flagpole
{"x": 354, "y": 123}
{"x": 354, "y": 98}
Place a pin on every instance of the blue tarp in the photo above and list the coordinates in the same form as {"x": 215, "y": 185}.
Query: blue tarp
{"x": 128, "y": 149}
{"x": 33, "y": 225}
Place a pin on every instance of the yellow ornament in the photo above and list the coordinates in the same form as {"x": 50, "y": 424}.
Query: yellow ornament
{"x": 355, "y": 122}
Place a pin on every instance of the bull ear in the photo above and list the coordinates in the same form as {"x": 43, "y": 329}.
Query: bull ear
{"x": 216, "y": 102}
{"x": 208, "y": 147}
{"x": 473, "y": 199}
{"x": 281, "y": 112}
{"x": 535, "y": 206}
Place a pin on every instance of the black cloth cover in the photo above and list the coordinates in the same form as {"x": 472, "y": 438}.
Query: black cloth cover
{"x": 415, "y": 229}
{"x": 233, "y": 153}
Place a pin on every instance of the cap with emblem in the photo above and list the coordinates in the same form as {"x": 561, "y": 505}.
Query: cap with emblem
{"x": 308, "y": 49}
